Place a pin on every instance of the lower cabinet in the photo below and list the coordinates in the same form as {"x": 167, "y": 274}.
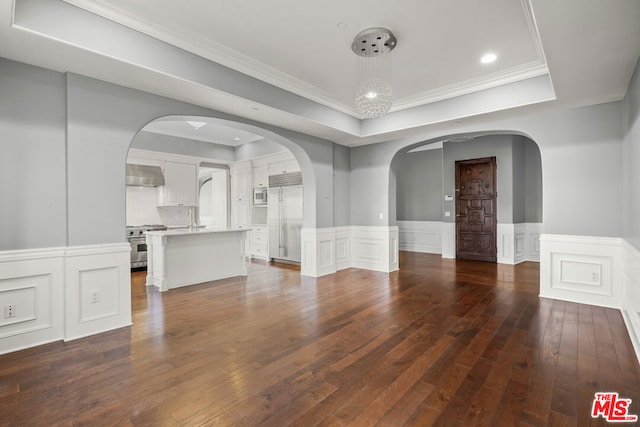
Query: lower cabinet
{"x": 259, "y": 242}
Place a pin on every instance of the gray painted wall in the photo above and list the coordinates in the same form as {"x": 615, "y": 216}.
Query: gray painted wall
{"x": 631, "y": 156}
{"x": 188, "y": 147}
{"x": 33, "y": 210}
{"x": 341, "y": 185}
{"x": 419, "y": 185}
{"x": 520, "y": 163}
{"x": 533, "y": 181}
{"x": 259, "y": 148}
{"x": 519, "y": 178}
{"x": 74, "y": 193}
{"x": 581, "y": 151}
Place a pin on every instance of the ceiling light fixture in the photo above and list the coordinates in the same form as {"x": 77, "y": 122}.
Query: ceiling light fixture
{"x": 196, "y": 125}
{"x": 488, "y": 58}
{"x": 373, "y": 47}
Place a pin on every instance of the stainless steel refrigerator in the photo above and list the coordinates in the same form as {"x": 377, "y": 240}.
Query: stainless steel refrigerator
{"x": 284, "y": 216}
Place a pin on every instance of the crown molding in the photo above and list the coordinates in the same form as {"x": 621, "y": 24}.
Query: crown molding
{"x": 205, "y": 47}
{"x": 512, "y": 75}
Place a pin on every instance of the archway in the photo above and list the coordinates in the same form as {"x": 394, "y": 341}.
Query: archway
{"x": 422, "y": 193}
{"x": 196, "y": 141}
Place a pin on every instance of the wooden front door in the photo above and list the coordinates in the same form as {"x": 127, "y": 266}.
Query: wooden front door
{"x": 476, "y": 209}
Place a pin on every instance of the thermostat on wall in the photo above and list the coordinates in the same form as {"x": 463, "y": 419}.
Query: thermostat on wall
{"x": 448, "y": 198}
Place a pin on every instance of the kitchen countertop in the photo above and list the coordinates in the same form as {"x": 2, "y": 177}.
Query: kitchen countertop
{"x": 200, "y": 230}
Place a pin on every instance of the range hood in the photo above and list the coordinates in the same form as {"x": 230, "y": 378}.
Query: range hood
{"x": 144, "y": 176}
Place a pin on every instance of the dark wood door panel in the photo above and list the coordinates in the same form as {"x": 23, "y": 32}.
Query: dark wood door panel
{"x": 476, "y": 209}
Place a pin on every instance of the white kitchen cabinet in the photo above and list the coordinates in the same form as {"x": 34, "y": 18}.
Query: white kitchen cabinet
{"x": 180, "y": 184}
{"x": 241, "y": 196}
{"x": 260, "y": 242}
{"x": 260, "y": 176}
{"x": 283, "y": 166}
{"x": 241, "y": 185}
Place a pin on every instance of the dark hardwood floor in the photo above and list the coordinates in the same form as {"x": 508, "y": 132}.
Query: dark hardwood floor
{"x": 440, "y": 342}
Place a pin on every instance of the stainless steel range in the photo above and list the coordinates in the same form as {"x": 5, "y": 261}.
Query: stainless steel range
{"x": 136, "y": 235}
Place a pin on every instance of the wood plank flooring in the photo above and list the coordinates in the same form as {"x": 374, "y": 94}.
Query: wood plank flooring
{"x": 440, "y": 342}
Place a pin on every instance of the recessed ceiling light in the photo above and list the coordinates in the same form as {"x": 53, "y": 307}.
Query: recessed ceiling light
{"x": 196, "y": 125}
{"x": 488, "y": 58}
{"x": 341, "y": 26}
{"x": 236, "y": 139}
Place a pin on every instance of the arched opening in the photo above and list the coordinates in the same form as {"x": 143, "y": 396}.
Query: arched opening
{"x": 215, "y": 175}
{"x": 426, "y": 200}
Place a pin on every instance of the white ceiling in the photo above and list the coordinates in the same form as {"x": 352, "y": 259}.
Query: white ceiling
{"x": 210, "y": 131}
{"x": 301, "y": 68}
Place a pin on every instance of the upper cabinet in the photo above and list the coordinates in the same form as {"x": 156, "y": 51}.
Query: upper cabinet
{"x": 180, "y": 187}
{"x": 283, "y": 166}
{"x": 241, "y": 185}
{"x": 260, "y": 176}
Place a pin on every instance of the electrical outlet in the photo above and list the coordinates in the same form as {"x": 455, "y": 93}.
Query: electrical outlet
{"x": 95, "y": 297}
{"x": 9, "y": 311}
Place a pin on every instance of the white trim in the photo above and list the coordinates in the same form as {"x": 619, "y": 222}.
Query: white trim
{"x": 505, "y": 242}
{"x": 630, "y": 306}
{"x": 31, "y": 254}
{"x": 327, "y": 250}
{"x": 582, "y": 269}
{"x": 420, "y": 236}
{"x": 375, "y": 248}
{"x": 57, "y": 306}
{"x": 448, "y": 240}
{"x": 318, "y": 251}
{"x": 515, "y": 243}
{"x": 343, "y": 248}
{"x": 212, "y": 50}
{"x": 600, "y": 271}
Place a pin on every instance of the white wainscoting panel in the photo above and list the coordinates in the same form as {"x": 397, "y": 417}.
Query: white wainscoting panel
{"x": 586, "y": 270}
{"x": 318, "y": 257}
{"x": 630, "y": 306}
{"x": 343, "y": 248}
{"x": 519, "y": 243}
{"x": 420, "y": 236}
{"x": 375, "y": 248}
{"x": 448, "y": 240}
{"x": 505, "y": 242}
{"x": 32, "y": 282}
{"x": 97, "y": 289}
{"x": 533, "y": 231}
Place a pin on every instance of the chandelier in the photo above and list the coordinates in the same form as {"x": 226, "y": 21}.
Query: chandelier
{"x": 373, "y": 47}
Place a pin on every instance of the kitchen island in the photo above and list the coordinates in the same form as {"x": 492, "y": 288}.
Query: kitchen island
{"x": 182, "y": 257}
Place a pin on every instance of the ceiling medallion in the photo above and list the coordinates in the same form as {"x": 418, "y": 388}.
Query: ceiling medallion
{"x": 374, "y": 95}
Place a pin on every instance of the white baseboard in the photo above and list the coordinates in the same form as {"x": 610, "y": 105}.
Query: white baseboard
{"x": 53, "y": 289}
